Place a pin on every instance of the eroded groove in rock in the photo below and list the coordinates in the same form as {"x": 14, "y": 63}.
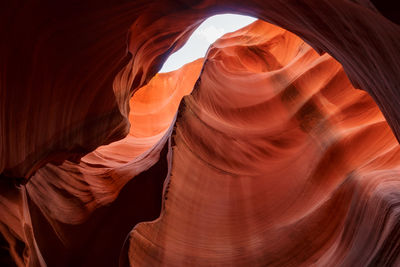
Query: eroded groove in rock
{"x": 270, "y": 165}
{"x": 68, "y": 194}
{"x": 98, "y": 240}
{"x": 79, "y": 51}
{"x": 68, "y": 72}
{"x": 71, "y": 202}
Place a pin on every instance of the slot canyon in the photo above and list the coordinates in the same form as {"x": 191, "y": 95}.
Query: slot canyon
{"x": 279, "y": 148}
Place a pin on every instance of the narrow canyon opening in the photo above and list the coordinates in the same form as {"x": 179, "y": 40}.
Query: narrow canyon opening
{"x": 153, "y": 106}
{"x": 207, "y": 33}
{"x": 260, "y": 153}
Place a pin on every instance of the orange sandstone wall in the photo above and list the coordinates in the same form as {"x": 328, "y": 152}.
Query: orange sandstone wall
{"x": 278, "y": 161}
{"x": 275, "y": 158}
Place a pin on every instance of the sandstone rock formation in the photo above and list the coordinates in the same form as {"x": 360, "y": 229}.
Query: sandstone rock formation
{"x": 297, "y": 165}
{"x": 274, "y": 159}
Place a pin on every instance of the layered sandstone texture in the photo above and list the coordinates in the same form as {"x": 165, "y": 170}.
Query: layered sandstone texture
{"x": 277, "y": 161}
{"x": 277, "y": 149}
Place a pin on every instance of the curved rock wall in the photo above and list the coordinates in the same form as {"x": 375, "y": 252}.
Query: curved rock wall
{"x": 276, "y": 162}
{"x": 275, "y": 158}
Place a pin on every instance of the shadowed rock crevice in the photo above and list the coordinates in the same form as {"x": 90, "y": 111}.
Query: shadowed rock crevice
{"x": 275, "y": 159}
{"x": 98, "y": 241}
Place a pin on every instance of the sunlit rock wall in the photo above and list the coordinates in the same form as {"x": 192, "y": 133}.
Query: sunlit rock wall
{"x": 275, "y": 159}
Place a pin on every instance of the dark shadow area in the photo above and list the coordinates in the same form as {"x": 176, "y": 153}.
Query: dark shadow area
{"x": 389, "y": 9}
{"x": 98, "y": 241}
{"x": 5, "y": 257}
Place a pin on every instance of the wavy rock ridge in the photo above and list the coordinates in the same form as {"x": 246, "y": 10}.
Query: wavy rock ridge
{"x": 270, "y": 165}
{"x": 274, "y": 159}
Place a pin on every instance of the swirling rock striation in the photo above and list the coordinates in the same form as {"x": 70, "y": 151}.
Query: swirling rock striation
{"x": 275, "y": 158}
{"x": 278, "y": 161}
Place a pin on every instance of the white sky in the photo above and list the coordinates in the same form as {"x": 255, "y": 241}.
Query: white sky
{"x": 208, "y": 32}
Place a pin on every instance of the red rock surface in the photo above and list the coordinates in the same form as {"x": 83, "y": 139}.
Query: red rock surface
{"x": 275, "y": 158}
{"x": 297, "y": 160}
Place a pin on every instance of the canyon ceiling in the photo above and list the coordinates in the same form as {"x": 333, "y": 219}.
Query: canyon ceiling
{"x": 279, "y": 148}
